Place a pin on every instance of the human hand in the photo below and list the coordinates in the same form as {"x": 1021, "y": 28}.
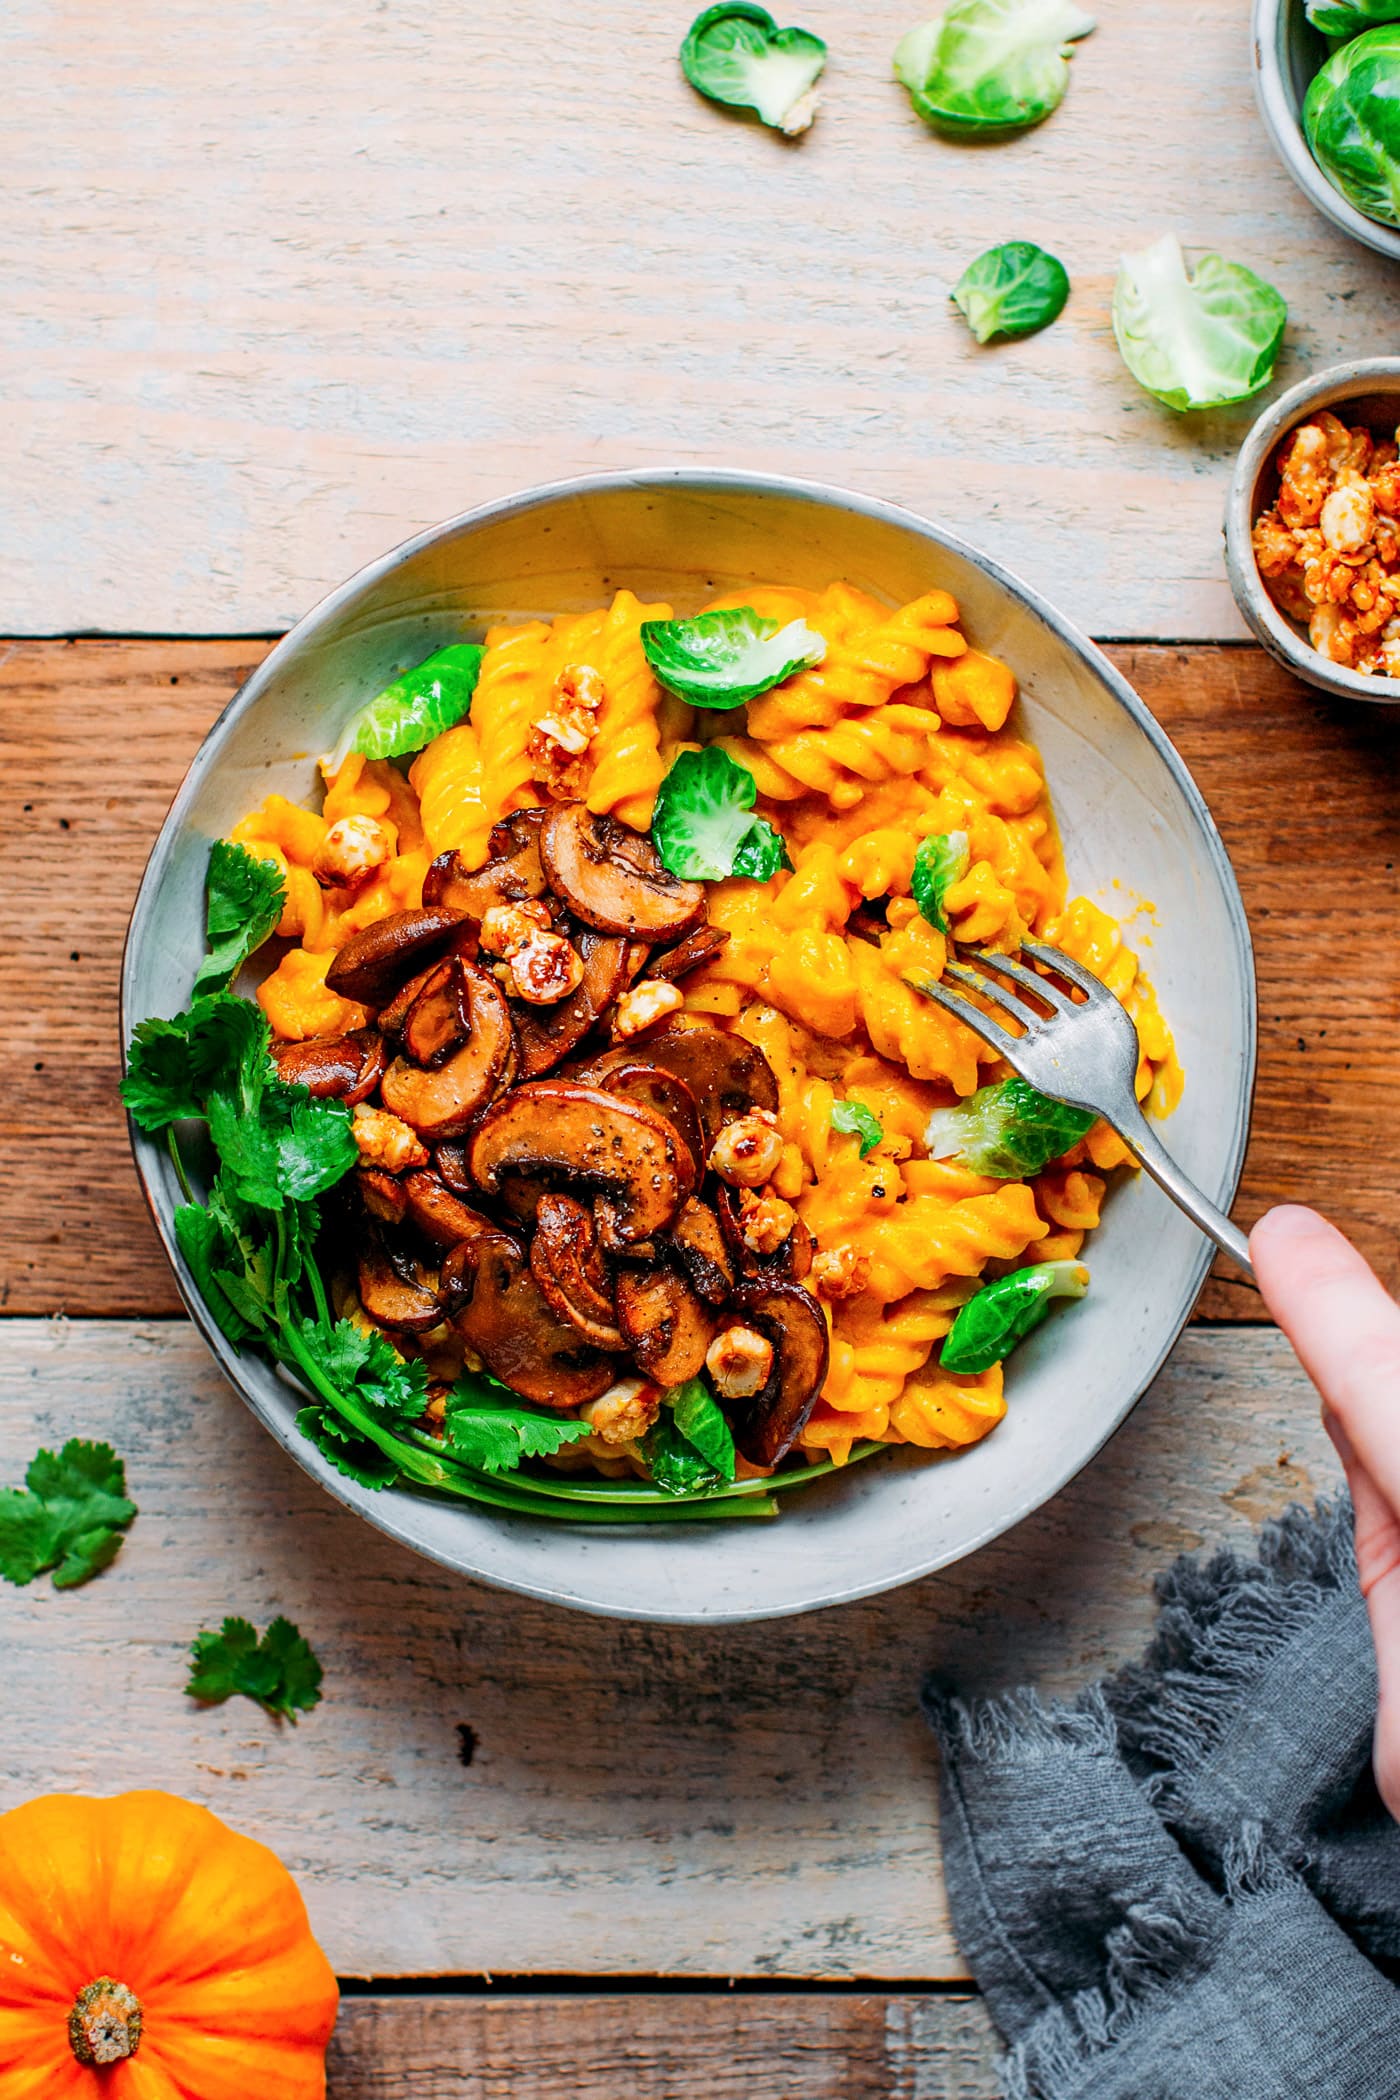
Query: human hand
{"x": 1346, "y": 1329}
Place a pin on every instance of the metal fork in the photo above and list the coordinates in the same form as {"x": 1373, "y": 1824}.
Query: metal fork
{"x": 1085, "y": 1054}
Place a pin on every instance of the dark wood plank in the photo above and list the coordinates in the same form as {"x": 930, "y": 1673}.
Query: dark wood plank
{"x": 667, "y": 2046}
{"x": 95, "y": 736}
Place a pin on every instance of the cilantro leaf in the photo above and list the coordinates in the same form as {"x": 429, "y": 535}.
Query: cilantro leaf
{"x": 245, "y": 901}
{"x": 366, "y": 1363}
{"x": 220, "y": 1044}
{"x": 280, "y": 1671}
{"x": 940, "y": 862}
{"x": 70, "y": 1515}
{"x": 697, "y": 1416}
{"x": 703, "y": 824}
{"x": 854, "y": 1119}
{"x": 288, "y": 1147}
{"x": 496, "y": 1434}
{"x": 206, "y": 1248}
{"x": 348, "y": 1452}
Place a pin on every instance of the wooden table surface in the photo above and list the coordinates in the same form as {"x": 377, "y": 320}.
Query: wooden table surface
{"x": 285, "y": 282}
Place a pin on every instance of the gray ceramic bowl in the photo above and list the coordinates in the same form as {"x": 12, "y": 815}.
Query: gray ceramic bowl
{"x": 1129, "y": 813}
{"x": 1365, "y": 392}
{"x": 1287, "y": 54}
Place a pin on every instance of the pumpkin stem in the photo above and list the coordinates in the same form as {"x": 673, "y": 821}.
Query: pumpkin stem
{"x": 105, "y": 2023}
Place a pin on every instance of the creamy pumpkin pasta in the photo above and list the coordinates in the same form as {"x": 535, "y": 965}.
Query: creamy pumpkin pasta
{"x": 663, "y": 1163}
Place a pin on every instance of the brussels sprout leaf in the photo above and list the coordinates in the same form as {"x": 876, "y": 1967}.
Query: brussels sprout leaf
{"x": 854, "y": 1119}
{"x": 722, "y": 659}
{"x": 703, "y": 825}
{"x": 1012, "y": 290}
{"x": 940, "y": 862}
{"x": 1196, "y": 342}
{"x": 1347, "y": 18}
{"x": 1352, "y": 119}
{"x": 680, "y": 1466}
{"x": 408, "y": 714}
{"x": 245, "y": 900}
{"x": 988, "y": 68}
{"x": 697, "y": 1417}
{"x": 1006, "y": 1130}
{"x": 1003, "y": 1314}
{"x": 736, "y": 53}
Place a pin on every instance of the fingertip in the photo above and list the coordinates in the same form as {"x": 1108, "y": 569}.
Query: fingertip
{"x": 1292, "y": 1221}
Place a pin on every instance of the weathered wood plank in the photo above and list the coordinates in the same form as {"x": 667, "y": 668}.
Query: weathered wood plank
{"x": 1303, "y": 789}
{"x": 689, "y": 2046}
{"x": 744, "y": 1801}
{"x": 289, "y": 280}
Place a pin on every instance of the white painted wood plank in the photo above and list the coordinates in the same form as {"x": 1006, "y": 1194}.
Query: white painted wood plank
{"x": 289, "y": 279}
{"x": 736, "y": 1802}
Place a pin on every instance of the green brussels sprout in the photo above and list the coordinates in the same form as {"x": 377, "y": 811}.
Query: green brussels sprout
{"x": 854, "y": 1119}
{"x": 940, "y": 862}
{"x": 1201, "y": 341}
{"x": 1007, "y": 1130}
{"x": 1004, "y": 1313}
{"x": 736, "y": 53}
{"x": 1352, "y": 120}
{"x": 417, "y": 707}
{"x": 989, "y": 68}
{"x": 1013, "y": 290}
{"x": 1347, "y": 18}
{"x": 703, "y": 825}
{"x": 722, "y": 659}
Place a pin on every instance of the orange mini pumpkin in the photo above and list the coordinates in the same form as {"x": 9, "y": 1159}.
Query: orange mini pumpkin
{"x": 148, "y": 1952}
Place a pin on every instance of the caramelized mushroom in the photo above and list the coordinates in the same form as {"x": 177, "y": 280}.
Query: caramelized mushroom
{"x": 375, "y": 961}
{"x": 663, "y": 1323}
{"x": 632, "y": 1074}
{"x": 567, "y": 1266}
{"x": 341, "y": 1067}
{"x": 699, "y": 947}
{"x": 513, "y": 872}
{"x": 440, "y": 1216}
{"x": 450, "y": 1163}
{"x": 613, "y": 878}
{"x": 548, "y": 1033}
{"x": 394, "y": 1287}
{"x": 726, "y": 1075}
{"x": 791, "y": 1261}
{"x": 442, "y": 1104}
{"x": 383, "y": 1194}
{"x": 439, "y": 1020}
{"x": 581, "y": 1134}
{"x": 766, "y": 1427}
{"x": 498, "y": 1309}
{"x": 698, "y": 1243}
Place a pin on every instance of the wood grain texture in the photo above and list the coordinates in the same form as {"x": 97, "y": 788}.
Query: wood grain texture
{"x": 667, "y": 2047}
{"x": 639, "y": 1800}
{"x": 289, "y": 279}
{"x": 1304, "y": 791}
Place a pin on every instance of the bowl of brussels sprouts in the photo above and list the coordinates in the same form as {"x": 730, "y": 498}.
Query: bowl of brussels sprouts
{"x": 1327, "y": 75}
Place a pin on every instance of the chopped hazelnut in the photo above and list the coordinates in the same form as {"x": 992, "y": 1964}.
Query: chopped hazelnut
{"x": 543, "y": 970}
{"x": 739, "y": 1361}
{"x": 387, "y": 1141}
{"x": 558, "y": 744}
{"x": 506, "y": 927}
{"x": 765, "y": 1221}
{"x": 643, "y": 1004}
{"x": 840, "y": 1272}
{"x": 352, "y": 850}
{"x": 748, "y": 1151}
{"x": 624, "y": 1412}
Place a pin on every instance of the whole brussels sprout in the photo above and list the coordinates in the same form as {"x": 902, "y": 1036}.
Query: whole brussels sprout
{"x": 1352, "y": 120}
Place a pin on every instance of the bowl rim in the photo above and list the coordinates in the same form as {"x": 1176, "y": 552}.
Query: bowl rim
{"x": 380, "y": 1510}
{"x": 1337, "y": 383}
{"x": 1284, "y": 123}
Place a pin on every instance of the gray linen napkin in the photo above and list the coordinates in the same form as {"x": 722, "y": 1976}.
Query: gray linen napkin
{"x": 1178, "y": 1888}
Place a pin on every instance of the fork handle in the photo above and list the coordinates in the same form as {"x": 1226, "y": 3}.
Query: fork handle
{"x": 1137, "y": 1133}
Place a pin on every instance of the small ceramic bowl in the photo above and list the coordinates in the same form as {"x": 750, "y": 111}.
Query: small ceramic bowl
{"x": 1366, "y": 392}
{"x": 1287, "y": 54}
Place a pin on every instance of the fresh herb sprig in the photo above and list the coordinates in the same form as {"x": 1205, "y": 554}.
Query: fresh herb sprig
{"x": 280, "y": 1671}
{"x": 71, "y": 1515}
